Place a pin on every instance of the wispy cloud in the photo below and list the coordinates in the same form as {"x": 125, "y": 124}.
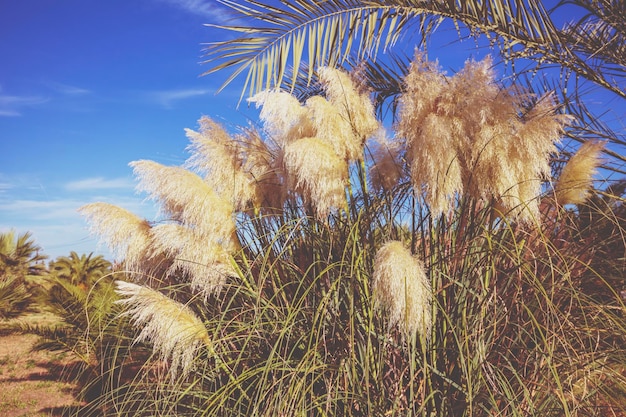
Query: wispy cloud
{"x": 169, "y": 97}
{"x": 205, "y": 8}
{"x": 99, "y": 183}
{"x": 67, "y": 89}
{"x": 11, "y": 105}
{"x": 56, "y": 224}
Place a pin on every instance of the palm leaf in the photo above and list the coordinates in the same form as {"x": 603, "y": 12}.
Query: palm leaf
{"x": 328, "y": 33}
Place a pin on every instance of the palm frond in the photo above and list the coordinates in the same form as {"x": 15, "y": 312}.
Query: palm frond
{"x": 331, "y": 32}
{"x": 283, "y": 45}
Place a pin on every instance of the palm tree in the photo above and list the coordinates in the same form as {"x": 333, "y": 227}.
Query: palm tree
{"x": 20, "y": 255}
{"x": 271, "y": 49}
{"x": 83, "y": 270}
{"x": 20, "y": 258}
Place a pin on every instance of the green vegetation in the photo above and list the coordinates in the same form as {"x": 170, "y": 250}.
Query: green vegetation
{"x": 20, "y": 265}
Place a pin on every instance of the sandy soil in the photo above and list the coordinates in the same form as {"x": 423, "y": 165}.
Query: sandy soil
{"x": 32, "y": 383}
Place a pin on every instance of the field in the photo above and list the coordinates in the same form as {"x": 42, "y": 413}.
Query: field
{"x": 33, "y": 384}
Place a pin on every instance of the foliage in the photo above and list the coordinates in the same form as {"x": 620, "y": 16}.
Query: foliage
{"x": 14, "y": 296}
{"x": 292, "y": 279}
{"x": 333, "y": 29}
{"x": 83, "y": 270}
{"x": 79, "y": 292}
{"x": 20, "y": 262}
{"x": 20, "y": 254}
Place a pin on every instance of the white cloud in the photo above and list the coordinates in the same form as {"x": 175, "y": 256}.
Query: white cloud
{"x": 167, "y": 98}
{"x": 10, "y": 105}
{"x": 67, "y": 89}
{"x": 205, "y": 8}
{"x": 99, "y": 183}
{"x": 57, "y": 226}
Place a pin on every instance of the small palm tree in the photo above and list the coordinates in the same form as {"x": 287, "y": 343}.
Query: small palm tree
{"x": 20, "y": 261}
{"x": 20, "y": 254}
{"x": 83, "y": 270}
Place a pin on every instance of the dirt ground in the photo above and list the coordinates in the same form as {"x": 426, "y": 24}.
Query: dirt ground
{"x": 31, "y": 383}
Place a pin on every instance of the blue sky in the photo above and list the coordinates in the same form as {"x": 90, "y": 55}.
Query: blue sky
{"x": 87, "y": 86}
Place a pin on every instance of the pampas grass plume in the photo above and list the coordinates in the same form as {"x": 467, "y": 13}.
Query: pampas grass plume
{"x": 221, "y": 159}
{"x": 186, "y": 197}
{"x": 283, "y": 117}
{"x": 207, "y": 263}
{"x": 127, "y": 235}
{"x": 401, "y": 286}
{"x": 175, "y": 332}
{"x": 318, "y": 173}
{"x": 575, "y": 181}
{"x": 386, "y": 169}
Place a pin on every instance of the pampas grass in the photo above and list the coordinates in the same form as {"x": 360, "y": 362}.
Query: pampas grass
{"x": 318, "y": 173}
{"x": 420, "y": 298}
{"x": 127, "y": 235}
{"x": 206, "y": 264}
{"x": 186, "y": 197}
{"x": 176, "y": 333}
{"x": 401, "y": 286}
{"x": 574, "y": 184}
{"x": 387, "y": 167}
{"x": 351, "y": 122}
{"x": 464, "y": 136}
{"x": 284, "y": 117}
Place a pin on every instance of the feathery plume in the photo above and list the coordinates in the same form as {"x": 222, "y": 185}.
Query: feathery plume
{"x": 574, "y": 183}
{"x": 127, "y": 235}
{"x": 334, "y": 128}
{"x": 205, "y": 262}
{"x": 186, "y": 197}
{"x": 430, "y": 144}
{"x": 465, "y": 136}
{"x": 354, "y": 106}
{"x": 318, "y": 173}
{"x": 284, "y": 118}
{"x": 402, "y": 287}
{"x": 175, "y": 332}
{"x": 264, "y": 162}
{"x": 221, "y": 159}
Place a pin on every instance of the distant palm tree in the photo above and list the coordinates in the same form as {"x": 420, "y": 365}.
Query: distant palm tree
{"x": 20, "y": 258}
{"x": 20, "y": 255}
{"x": 83, "y": 270}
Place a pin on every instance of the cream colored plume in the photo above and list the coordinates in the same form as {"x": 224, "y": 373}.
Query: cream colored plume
{"x": 401, "y": 287}
{"x": 386, "y": 168}
{"x": 465, "y": 135}
{"x": 205, "y": 262}
{"x": 334, "y": 128}
{"x": 318, "y": 173}
{"x": 283, "y": 117}
{"x": 186, "y": 197}
{"x": 222, "y": 159}
{"x": 354, "y": 106}
{"x": 176, "y": 333}
{"x": 127, "y": 235}
{"x": 574, "y": 184}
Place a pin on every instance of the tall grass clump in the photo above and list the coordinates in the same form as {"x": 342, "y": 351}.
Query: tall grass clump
{"x": 321, "y": 266}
